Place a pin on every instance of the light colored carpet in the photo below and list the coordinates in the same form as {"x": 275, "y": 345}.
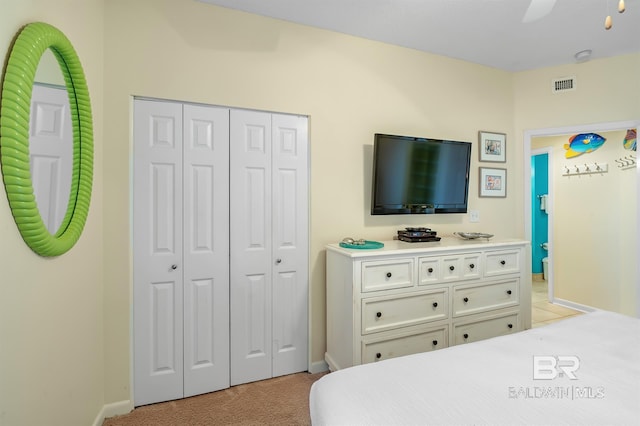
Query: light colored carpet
{"x": 278, "y": 401}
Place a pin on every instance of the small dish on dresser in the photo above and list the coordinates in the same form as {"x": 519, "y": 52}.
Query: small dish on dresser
{"x": 472, "y": 235}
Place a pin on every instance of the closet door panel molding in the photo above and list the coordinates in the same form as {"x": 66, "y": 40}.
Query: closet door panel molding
{"x": 290, "y": 244}
{"x": 206, "y": 248}
{"x": 250, "y": 245}
{"x": 158, "y": 311}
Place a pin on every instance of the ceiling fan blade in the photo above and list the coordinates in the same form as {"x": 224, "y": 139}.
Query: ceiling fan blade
{"x": 538, "y": 9}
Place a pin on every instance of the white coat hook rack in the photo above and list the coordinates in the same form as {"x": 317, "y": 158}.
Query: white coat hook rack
{"x": 626, "y": 162}
{"x": 585, "y": 168}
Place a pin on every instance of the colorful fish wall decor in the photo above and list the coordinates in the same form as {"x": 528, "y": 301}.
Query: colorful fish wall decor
{"x": 629, "y": 141}
{"x": 583, "y": 142}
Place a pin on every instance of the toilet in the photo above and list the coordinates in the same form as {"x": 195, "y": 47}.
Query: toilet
{"x": 545, "y": 262}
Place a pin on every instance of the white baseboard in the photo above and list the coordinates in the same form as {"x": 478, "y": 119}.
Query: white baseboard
{"x": 318, "y": 367}
{"x": 113, "y": 409}
{"x": 573, "y": 305}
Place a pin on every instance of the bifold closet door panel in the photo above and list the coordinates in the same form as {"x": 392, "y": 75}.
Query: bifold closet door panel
{"x": 269, "y": 245}
{"x": 157, "y": 245}
{"x": 250, "y": 246}
{"x": 206, "y": 248}
{"x": 181, "y": 250}
{"x": 290, "y": 243}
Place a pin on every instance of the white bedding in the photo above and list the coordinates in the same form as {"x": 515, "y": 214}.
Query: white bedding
{"x": 491, "y": 382}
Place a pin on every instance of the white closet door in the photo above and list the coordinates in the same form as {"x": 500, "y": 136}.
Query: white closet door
{"x": 206, "y": 249}
{"x": 220, "y": 248}
{"x": 269, "y": 245}
{"x": 51, "y": 152}
{"x": 157, "y": 241}
{"x": 290, "y": 244}
{"x": 250, "y": 245}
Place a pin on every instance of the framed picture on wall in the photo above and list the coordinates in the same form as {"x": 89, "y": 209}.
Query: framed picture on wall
{"x": 493, "y": 182}
{"x": 492, "y": 147}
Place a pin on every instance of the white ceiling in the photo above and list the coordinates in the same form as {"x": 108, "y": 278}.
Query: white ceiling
{"x": 487, "y": 32}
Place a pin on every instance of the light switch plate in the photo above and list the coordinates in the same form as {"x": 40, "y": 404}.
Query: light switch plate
{"x": 474, "y": 216}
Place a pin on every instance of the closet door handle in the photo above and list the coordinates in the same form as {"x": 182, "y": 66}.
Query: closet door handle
{"x": 174, "y": 267}
{"x": 278, "y": 261}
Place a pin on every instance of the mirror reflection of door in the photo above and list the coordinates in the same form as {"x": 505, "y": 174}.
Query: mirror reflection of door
{"x": 50, "y": 142}
{"x": 51, "y": 152}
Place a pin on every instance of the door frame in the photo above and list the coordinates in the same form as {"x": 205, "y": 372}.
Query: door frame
{"x": 557, "y": 131}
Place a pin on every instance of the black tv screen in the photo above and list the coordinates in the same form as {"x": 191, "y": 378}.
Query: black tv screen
{"x": 419, "y": 175}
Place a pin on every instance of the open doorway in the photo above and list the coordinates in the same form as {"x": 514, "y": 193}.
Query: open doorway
{"x": 625, "y": 300}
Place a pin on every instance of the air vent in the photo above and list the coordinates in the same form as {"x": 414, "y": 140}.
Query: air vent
{"x": 564, "y": 84}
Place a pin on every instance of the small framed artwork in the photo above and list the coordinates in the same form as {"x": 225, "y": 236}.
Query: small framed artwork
{"x": 493, "y": 182}
{"x": 492, "y": 147}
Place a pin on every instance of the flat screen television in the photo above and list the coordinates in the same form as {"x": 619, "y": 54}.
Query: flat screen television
{"x": 419, "y": 175}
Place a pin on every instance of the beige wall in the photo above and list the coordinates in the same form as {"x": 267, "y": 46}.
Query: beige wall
{"x": 608, "y": 91}
{"x": 594, "y": 216}
{"x": 51, "y": 310}
{"x": 189, "y": 51}
{"x": 350, "y": 88}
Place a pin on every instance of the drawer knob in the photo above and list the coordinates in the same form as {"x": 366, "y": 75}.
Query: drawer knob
{"x": 508, "y": 291}
{"x": 430, "y": 270}
{"x": 435, "y": 304}
{"x": 466, "y": 299}
{"x": 451, "y": 268}
{"x": 378, "y": 314}
{"x": 510, "y": 325}
{"x": 435, "y": 342}
{"x": 502, "y": 262}
{"x": 465, "y": 335}
{"x": 388, "y": 274}
{"x": 378, "y": 355}
{"x": 472, "y": 266}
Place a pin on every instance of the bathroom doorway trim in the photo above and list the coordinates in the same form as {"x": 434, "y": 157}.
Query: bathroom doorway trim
{"x": 557, "y": 131}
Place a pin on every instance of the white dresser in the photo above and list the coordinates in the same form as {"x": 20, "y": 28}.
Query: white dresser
{"x": 416, "y": 297}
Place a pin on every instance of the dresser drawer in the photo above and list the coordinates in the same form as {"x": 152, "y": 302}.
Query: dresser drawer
{"x": 485, "y": 328}
{"x": 404, "y": 344}
{"x": 387, "y": 274}
{"x": 502, "y": 262}
{"x": 386, "y": 313}
{"x": 429, "y": 270}
{"x": 461, "y": 267}
{"x": 471, "y": 299}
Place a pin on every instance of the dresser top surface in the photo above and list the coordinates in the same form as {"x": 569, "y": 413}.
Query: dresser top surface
{"x": 445, "y": 244}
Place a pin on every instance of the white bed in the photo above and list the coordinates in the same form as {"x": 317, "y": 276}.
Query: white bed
{"x": 491, "y": 382}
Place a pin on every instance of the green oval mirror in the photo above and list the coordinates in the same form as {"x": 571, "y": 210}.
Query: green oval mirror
{"x": 28, "y": 48}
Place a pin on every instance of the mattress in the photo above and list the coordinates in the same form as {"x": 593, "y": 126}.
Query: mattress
{"x": 584, "y": 370}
